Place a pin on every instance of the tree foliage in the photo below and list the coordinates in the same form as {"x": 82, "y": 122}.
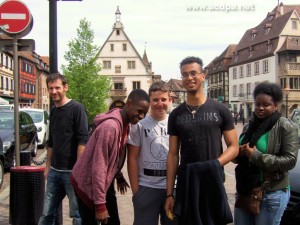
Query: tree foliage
{"x": 86, "y": 85}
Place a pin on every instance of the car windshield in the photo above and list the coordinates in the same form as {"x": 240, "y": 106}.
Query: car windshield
{"x": 6, "y": 121}
{"x": 37, "y": 117}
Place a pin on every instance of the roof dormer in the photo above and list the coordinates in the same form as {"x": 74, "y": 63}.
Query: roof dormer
{"x": 267, "y": 27}
{"x": 253, "y": 34}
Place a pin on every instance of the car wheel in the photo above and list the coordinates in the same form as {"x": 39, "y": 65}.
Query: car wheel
{"x": 34, "y": 151}
{"x": 1, "y": 173}
{"x": 44, "y": 142}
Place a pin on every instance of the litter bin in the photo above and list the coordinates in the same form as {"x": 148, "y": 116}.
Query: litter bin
{"x": 25, "y": 158}
{"x": 27, "y": 188}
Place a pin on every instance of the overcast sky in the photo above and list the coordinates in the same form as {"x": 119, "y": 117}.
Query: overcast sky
{"x": 172, "y": 29}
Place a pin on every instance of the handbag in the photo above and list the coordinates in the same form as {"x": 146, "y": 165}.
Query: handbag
{"x": 250, "y": 202}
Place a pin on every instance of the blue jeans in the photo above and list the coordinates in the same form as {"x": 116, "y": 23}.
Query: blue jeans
{"x": 58, "y": 184}
{"x": 272, "y": 207}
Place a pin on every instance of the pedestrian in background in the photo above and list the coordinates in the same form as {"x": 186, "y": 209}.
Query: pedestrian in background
{"x": 68, "y": 134}
{"x": 148, "y": 146}
{"x": 268, "y": 150}
{"x": 104, "y": 157}
{"x": 196, "y": 128}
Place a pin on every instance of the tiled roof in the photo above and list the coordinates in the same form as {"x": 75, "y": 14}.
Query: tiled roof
{"x": 255, "y": 42}
{"x": 175, "y": 85}
{"x": 290, "y": 43}
{"x": 221, "y": 62}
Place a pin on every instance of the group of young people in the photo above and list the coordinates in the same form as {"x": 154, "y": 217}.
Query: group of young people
{"x": 175, "y": 162}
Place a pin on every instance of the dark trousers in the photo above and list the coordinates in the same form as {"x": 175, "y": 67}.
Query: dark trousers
{"x": 88, "y": 215}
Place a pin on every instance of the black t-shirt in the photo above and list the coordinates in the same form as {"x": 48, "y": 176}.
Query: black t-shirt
{"x": 200, "y": 138}
{"x": 68, "y": 128}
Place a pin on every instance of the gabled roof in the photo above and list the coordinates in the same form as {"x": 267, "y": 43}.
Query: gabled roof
{"x": 175, "y": 85}
{"x": 276, "y": 25}
{"x": 221, "y": 62}
{"x": 291, "y": 44}
{"x": 119, "y": 26}
{"x": 256, "y": 43}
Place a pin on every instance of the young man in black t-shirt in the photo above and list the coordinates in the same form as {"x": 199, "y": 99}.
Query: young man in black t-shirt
{"x": 196, "y": 128}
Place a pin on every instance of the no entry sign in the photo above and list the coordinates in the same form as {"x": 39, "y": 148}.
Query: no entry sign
{"x": 15, "y": 18}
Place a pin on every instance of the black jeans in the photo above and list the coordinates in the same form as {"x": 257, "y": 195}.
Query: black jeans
{"x": 88, "y": 216}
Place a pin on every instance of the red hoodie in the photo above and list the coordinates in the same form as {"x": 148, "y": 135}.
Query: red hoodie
{"x": 102, "y": 158}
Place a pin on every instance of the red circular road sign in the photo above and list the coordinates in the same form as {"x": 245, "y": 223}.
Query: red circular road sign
{"x": 15, "y": 18}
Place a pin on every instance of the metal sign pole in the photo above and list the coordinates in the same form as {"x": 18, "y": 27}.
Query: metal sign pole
{"x": 16, "y": 99}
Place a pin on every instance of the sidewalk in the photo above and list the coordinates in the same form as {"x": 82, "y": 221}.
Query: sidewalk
{"x": 124, "y": 201}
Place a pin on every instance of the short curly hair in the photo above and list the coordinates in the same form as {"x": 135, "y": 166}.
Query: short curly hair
{"x": 190, "y": 60}
{"x": 271, "y": 89}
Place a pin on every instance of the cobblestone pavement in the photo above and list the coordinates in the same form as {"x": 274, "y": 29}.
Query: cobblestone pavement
{"x": 124, "y": 201}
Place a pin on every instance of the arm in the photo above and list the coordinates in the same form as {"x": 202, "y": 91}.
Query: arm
{"x": 48, "y": 162}
{"x": 122, "y": 184}
{"x": 80, "y": 150}
{"x": 133, "y": 166}
{"x": 172, "y": 165}
{"x": 232, "y": 150}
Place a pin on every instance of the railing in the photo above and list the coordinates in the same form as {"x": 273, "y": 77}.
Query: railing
{"x": 118, "y": 93}
{"x": 245, "y": 97}
{"x": 289, "y": 68}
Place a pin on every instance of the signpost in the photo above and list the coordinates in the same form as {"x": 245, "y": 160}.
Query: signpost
{"x": 15, "y": 21}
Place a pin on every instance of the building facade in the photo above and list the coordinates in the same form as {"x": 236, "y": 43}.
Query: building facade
{"x": 120, "y": 60}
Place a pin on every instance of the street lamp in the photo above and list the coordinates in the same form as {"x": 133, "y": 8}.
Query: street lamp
{"x": 286, "y": 92}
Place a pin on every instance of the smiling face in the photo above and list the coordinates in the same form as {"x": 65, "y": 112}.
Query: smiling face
{"x": 136, "y": 110}
{"x": 192, "y": 77}
{"x": 57, "y": 91}
{"x": 264, "y": 106}
{"x": 159, "y": 104}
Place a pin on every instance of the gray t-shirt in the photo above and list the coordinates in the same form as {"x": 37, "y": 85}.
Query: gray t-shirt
{"x": 153, "y": 138}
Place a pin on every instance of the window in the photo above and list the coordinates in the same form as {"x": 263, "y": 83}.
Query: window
{"x": 294, "y": 24}
{"x": 124, "y": 47}
{"x": 106, "y": 64}
{"x": 241, "y": 71}
{"x": 136, "y": 85}
{"x": 6, "y": 83}
{"x": 248, "y": 70}
{"x": 248, "y": 89}
{"x": 111, "y": 47}
{"x": 2, "y": 82}
{"x": 118, "y": 32}
{"x": 265, "y": 66}
{"x": 234, "y": 73}
{"x": 117, "y": 69}
{"x": 220, "y": 77}
{"x": 118, "y": 86}
{"x": 234, "y": 91}
{"x": 131, "y": 64}
{"x": 256, "y": 66}
{"x": 241, "y": 91}
{"x": 283, "y": 83}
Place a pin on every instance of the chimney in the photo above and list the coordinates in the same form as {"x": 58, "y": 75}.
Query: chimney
{"x": 281, "y": 9}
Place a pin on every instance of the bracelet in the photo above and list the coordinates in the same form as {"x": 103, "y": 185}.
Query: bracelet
{"x": 171, "y": 195}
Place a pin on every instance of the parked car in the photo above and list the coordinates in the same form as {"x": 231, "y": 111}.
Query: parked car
{"x": 7, "y": 106}
{"x": 40, "y": 118}
{"x": 291, "y": 215}
{"x": 27, "y": 133}
{"x": 1, "y": 163}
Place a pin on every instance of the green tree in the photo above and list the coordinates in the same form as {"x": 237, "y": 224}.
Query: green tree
{"x": 86, "y": 85}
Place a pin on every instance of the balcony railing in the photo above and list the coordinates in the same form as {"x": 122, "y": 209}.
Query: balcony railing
{"x": 118, "y": 93}
{"x": 245, "y": 97}
{"x": 289, "y": 68}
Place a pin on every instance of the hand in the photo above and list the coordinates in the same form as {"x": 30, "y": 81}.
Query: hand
{"x": 122, "y": 185}
{"x": 249, "y": 151}
{"x": 46, "y": 172}
{"x": 102, "y": 217}
{"x": 169, "y": 206}
{"x": 242, "y": 149}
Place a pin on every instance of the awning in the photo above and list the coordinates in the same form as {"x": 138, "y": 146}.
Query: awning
{"x": 3, "y": 101}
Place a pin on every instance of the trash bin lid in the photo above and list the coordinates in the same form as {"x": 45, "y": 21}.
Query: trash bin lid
{"x": 28, "y": 169}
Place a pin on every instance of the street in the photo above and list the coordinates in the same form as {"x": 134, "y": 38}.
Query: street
{"x": 124, "y": 201}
